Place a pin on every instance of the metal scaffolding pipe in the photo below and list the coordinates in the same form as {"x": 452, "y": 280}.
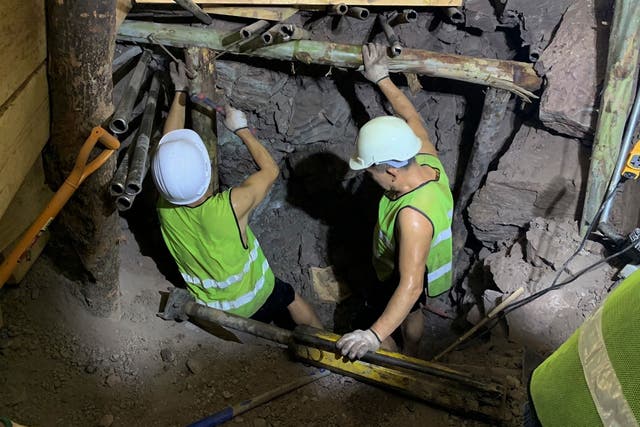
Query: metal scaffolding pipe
{"x": 392, "y": 38}
{"x": 358, "y": 12}
{"x": 139, "y": 161}
{"x": 120, "y": 120}
{"x": 338, "y": 9}
{"x": 404, "y": 17}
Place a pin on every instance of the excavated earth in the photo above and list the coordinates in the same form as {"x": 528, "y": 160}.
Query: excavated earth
{"x": 60, "y": 365}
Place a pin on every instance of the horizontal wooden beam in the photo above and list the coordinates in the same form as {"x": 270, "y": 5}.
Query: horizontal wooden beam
{"x": 517, "y": 77}
{"x": 415, "y": 3}
{"x": 254, "y": 12}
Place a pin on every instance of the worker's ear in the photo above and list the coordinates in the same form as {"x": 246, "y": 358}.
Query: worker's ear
{"x": 393, "y": 172}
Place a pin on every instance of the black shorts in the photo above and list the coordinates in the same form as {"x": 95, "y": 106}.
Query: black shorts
{"x": 275, "y": 309}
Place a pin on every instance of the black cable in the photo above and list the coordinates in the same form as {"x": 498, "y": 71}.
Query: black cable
{"x": 554, "y": 285}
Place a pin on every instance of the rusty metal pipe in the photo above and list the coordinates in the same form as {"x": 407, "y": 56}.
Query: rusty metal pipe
{"x": 116, "y": 188}
{"x": 293, "y": 32}
{"x": 338, "y": 9}
{"x": 453, "y": 15}
{"x": 404, "y": 17}
{"x": 125, "y": 201}
{"x": 392, "y": 38}
{"x": 358, "y": 12}
{"x": 271, "y": 35}
{"x": 120, "y": 120}
{"x": 138, "y": 163}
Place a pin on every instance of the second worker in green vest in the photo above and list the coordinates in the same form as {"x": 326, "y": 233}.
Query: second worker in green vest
{"x": 208, "y": 234}
{"x": 412, "y": 250}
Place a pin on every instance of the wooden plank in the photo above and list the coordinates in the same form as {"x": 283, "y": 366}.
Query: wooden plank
{"x": 395, "y": 3}
{"x": 22, "y": 42}
{"x": 24, "y": 126}
{"x": 29, "y": 201}
{"x": 267, "y": 13}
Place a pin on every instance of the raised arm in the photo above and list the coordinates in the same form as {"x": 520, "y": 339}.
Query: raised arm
{"x": 175, "y": 119}
{"x": 376, "y": 71}
{"x": 248, "y": 195}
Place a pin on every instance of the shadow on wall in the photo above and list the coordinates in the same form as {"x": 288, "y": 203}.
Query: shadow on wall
{"x": 322, "y": 185}
{"x": 145, "y": 226}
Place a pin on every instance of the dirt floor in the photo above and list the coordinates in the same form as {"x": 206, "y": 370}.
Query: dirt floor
{"x": 60, "y": 365}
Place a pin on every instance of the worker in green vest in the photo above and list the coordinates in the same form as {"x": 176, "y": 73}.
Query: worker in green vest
{"x": 593, "y": 379}
{"x": 208, "y": 234}
{"x": 412, "y": 239}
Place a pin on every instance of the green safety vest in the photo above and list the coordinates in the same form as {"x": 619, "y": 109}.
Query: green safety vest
{"x": 218, "y": 269}
{"x": 593, "y": 378}
{"x": 434, "y": 200}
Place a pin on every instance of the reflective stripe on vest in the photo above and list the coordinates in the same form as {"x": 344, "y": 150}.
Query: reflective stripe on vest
{"x": 601, "y": 377}
{"x": 235, "y": 278}
{"x": 242, "y": 299}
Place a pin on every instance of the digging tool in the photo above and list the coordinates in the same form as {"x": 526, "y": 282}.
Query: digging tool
{"x": 82, "y": 169}
{"x": 232, "y": 411}
{"x": 190, "y": 73}
{"x": 511, "y": 298}
{"x": 427, "y": 381}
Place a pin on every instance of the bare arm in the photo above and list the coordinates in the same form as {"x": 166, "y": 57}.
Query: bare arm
{"x": 405, "y": 109}
{"x": 415, "y": 234}
{"x": 248, "y": 195}
{"x": 175, "y": 119}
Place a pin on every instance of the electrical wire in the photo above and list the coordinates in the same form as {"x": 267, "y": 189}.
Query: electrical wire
{"x": 554, "y": 284}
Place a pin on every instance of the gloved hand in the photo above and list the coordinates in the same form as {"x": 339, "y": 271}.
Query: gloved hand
{"x": 178, "y": 74}
{"x": 355, "y": 344}
{"x": 234, "y": 119}
{"x": 375, "y": 61}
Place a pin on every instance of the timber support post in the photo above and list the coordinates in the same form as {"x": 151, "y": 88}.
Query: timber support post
{"x": 202, "y": 61}
{"x": 81, "y": 42}
{"x": 622, "y": 69}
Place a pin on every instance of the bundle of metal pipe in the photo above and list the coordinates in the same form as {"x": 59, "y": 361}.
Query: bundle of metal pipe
{"x": 358, "y": 12}
{"x": 127, "y": 181}
{"x": 120, "y": 121}
{"x": 245, "y": 33}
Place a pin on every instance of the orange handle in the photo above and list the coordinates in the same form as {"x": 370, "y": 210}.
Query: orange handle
{"x": 80, "y": 172}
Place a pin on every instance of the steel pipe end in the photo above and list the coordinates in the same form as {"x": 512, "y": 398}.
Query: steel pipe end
{"x": 118, "y": 126}
{"x": 410, "y": 15}
{"x": 116, "y": 189}
{"x": 124, "y": 202}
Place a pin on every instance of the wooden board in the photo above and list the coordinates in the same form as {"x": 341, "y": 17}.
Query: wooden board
{"x": 29, "y": 201}
{"x": 22, "y": 42}
{"x": 319, "y": 2}
{"x": 24, "y": 126}
{"x": 268, "y": 13}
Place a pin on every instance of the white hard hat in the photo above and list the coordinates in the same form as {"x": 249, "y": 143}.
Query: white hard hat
{"x": 384, "y": 139}
{"x": 181, "y": 167}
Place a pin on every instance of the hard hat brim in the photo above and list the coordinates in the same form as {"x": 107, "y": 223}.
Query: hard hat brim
{"x": 356, "y": 163}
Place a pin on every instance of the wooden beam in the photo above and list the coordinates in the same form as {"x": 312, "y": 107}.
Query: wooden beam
{"x": 22, "y": 42}
{"x": 622, "y": 70}
{"x": 394, "y": 3}
{"x": 81, "y": 42}
{"x": 267, "y": 13}
{"x": 24, "y": 121}
{"x": 513, "y": 76}
{"x": 203, "y": 121}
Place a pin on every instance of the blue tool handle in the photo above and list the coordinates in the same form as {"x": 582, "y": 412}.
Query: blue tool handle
{"x": 216, "y": 419}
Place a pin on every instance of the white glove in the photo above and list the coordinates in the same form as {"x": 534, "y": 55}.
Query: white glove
{"x": 374, "y": 57}
{"x": 357, "y": 343}
{"x": 234, "y": 119}
{"x": 178, "y": 73}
